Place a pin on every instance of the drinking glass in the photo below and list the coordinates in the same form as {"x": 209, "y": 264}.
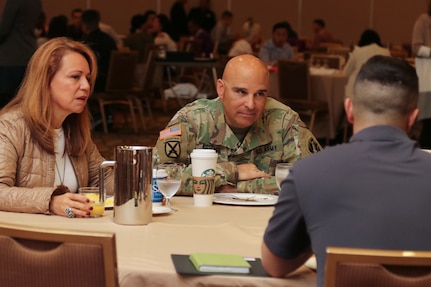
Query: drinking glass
{"x": 168, "y": 178}
{"x": 92, "y": 193}
{"x": 281, "y": 171}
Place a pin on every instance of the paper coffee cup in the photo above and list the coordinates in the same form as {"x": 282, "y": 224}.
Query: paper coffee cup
{"x": 204, "y": 164}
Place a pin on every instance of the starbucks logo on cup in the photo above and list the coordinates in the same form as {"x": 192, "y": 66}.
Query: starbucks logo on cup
{"x": 203, "y": 185}
{"x": 208, "y": 172}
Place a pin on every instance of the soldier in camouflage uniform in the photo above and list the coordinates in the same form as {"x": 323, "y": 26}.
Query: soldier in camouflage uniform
{"x": 250, "y": 132}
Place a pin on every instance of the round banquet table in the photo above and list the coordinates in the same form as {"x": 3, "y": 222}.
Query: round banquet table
{"x": 143, "y": 251}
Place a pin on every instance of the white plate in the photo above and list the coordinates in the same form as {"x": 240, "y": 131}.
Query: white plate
{"x": 161, "y": 209}
{"x": 311, "y": 263}
{"x": 245, "y": 198}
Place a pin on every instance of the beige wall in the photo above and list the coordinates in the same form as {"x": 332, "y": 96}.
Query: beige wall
{"x": 346, "y": 19}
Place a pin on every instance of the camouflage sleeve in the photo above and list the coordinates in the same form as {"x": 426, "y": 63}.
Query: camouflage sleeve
{"x": 258, "y": 185}
{"x": 307, "y": 143}
{"x": 176, "y": 142}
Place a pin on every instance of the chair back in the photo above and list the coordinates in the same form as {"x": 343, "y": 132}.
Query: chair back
{"x": 149, "y": 77}
{"x": 121, "y": 72}
{"x": 293, "y": 80}
{"x": 41, "y": 257}
{"x": 191, "y": 45}
{"x": 330, "y": 61}
{"x": 351, "y": 267}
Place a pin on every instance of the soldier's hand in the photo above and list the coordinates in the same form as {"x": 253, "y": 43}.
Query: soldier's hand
{"x": 227, "y": 188}
{"x": 248, "y": 171}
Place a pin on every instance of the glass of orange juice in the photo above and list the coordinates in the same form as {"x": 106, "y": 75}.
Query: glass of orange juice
{"x": 92, "y": 193}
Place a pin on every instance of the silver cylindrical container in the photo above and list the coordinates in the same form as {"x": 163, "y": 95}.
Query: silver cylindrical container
{"x": 132, "y": 184}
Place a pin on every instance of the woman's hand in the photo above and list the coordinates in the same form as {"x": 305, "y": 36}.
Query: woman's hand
{"x": 78, "y": 203}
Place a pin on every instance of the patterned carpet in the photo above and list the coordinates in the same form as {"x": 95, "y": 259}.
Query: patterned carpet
{"x": 121, "y": 131}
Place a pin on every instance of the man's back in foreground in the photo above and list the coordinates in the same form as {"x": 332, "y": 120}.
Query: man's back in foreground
{"x": 373, "y": 192}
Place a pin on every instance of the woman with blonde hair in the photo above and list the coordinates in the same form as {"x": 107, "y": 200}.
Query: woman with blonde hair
{"x": 45, "y": 140}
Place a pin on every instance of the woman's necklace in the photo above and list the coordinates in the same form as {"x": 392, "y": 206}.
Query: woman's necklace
{"x": 64, "y": 171}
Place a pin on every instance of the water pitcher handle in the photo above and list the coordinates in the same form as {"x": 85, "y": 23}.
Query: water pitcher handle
{"x": 102, "y": 167}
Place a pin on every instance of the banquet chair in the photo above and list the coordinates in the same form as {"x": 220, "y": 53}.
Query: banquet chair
{"x": 294, "y": 87}
{"x": 352, "y": 267}
{"x": 42, "y": 257}
{"x": 120, "y": 87}
{"x": 150, "y": 82}
{"x": 190, "y": 45}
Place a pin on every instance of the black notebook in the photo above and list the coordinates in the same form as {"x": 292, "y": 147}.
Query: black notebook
{"x": 184, "y": 266}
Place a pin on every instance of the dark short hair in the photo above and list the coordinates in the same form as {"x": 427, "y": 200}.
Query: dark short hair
{"x": 391, "y": 73}
{"x": 369, "y": 37}
{"x": 320, "y": 22}
{"x": 280, "y": 25}
{"x": 79, "y": 10}
{"x": 57, "y": 26}
{"x": 91, "y": 18}
{"x": 227, "y": 14}
{"x": 148, "y": 13}
{"x": 136, "y": 22}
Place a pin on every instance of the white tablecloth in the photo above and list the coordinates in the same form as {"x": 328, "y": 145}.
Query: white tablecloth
{"x": 144, "y": 251}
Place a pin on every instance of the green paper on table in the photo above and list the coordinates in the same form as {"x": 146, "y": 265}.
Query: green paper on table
{"x": 223, "y": 263}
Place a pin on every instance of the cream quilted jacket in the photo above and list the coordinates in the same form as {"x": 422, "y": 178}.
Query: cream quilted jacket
{"x": 27, "y": 172}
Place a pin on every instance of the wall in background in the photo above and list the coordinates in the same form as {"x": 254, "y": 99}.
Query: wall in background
{"x": 346, "y": 19}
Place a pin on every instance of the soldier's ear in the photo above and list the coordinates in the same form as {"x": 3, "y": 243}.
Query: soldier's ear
{"x": 220, "y": 88}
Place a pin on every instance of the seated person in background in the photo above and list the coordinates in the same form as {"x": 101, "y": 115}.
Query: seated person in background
{"x": 161, "y": 37}
{"x": 293, "y": 39}
{"x": 57, "y": 27}
{"x": 205, "y": 14}
{"x": 250, "y": 132}
{"x": 369, "y": 45}
{"x": 138, "y": 39}
{"x": 240, "y": 47}
{"x": 74, "y": 29}
{"x": 101, "y": 43}
{"x": 221, "y": 33}
{"x": 149, "y": 17}
{"x": 321, "y": 35}
{"x": 252, "y": 32}
{"x": 47, "y": 151}
{"x": 250, "y": 40}
{"x": 178, "y": 16}
{"x": 372, "y": 192}
{"x": 198, "y": 33}
{"x": 276, "y": 48}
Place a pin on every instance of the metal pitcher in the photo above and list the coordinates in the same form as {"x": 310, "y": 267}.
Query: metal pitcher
{"x": 132, "y": 184}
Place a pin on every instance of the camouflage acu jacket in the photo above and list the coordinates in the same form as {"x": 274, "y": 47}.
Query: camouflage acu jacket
{"x": 278, "y": 136}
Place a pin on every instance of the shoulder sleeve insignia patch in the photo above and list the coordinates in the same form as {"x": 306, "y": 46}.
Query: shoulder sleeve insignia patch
{"x": 313, "y": 145}
{"x": 173, "y": 149}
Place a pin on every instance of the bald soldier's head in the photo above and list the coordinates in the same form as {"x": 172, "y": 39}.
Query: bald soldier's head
{"x": 385, "y": 93}
{"x": 243, "y": 89}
